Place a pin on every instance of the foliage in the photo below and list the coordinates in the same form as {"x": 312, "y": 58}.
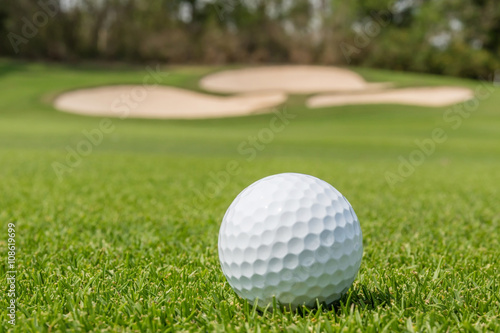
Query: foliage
{"x": 252, "y": 31}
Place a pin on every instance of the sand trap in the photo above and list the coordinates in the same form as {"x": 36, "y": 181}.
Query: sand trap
{"x": 290, "y": 79}
{"x": 264, "y": 88}
{"x": 162, "y": 102}
{"x": 432, "y": 96}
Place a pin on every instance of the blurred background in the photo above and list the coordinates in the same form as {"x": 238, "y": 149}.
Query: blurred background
{"x": 451, "y": 37}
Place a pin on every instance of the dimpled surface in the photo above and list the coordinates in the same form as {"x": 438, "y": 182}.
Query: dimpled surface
{"x": 293, "y": 237}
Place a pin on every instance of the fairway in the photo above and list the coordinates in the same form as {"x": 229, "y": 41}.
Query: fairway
{"x": 123, "y": 237}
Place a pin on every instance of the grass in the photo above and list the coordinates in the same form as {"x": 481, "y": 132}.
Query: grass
{"x": 125, "y": 243}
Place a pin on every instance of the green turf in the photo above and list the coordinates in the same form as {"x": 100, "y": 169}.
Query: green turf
{"x": 126, "y": 242}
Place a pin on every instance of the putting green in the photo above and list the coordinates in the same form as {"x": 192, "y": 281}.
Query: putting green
{"x": 116, "y": 220}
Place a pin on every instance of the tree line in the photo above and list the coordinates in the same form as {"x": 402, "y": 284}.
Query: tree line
{"x": 452, "y": 37}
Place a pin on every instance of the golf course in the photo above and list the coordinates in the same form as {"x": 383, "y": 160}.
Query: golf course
{"x": 116, "y": 219}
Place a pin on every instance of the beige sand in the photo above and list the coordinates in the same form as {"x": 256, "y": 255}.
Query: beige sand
{"x": 264, "y": 88}
{"x": 432, "y": 96}
{"x": 162, "y": 102}
{"x": 290, "y": 79}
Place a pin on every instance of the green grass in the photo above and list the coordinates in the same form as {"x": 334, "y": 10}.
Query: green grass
{"x": 124, "y": 242}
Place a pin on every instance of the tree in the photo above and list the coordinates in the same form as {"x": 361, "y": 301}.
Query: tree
{"x": 3, "y": 29}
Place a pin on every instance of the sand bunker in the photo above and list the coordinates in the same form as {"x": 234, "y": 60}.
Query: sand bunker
{"x": 432, "y": 96}
{"x": 290, "y": 79}
{"x": 162, "y": 102}
{"x": 264, "y": 88}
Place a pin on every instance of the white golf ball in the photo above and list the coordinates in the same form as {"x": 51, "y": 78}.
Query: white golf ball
{"x": 293, "y": 237}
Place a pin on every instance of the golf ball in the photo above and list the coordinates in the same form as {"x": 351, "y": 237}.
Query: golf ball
{"x": 293, "y": 237}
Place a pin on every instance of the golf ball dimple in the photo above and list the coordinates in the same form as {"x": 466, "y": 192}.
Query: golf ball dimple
{"x": 293, "y": 237}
